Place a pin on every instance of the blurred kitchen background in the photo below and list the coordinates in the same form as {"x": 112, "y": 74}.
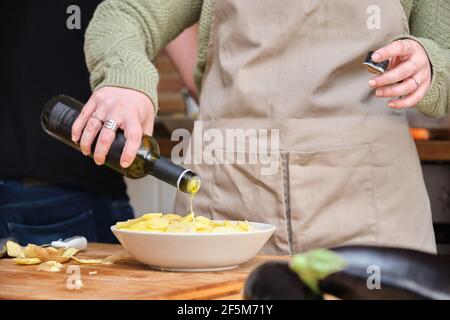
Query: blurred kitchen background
{"x": 432, "y": 137}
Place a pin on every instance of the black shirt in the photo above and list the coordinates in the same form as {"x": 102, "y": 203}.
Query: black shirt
{"x": 40, "y": 57}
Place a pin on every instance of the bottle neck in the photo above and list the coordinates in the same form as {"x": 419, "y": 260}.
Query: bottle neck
{"x": 189, "y": 182}
{"x": 164, "y": 169}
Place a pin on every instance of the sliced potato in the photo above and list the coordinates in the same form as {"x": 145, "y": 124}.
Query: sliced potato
{"x": 149, "y": 216}
{"x": 188, "y": 218}
{"x": 203, "y": 220}
{"x": 243, "y": 225}
{"x": 199, "y": 226}
{"x": 128, "y": 223}
{"x": 180, "y": 227}
{"x": 124, "y": 224}
{"x": 157, "y": 222}
{"x": 218, "y": 223}
{"x": 171, "y": 216}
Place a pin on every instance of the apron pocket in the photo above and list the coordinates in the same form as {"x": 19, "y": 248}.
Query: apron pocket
{"x": 248, "y": 192}
{"x": 332, "y": 198}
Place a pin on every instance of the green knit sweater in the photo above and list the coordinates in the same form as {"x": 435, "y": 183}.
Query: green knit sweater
{"x": 124, "y": 36}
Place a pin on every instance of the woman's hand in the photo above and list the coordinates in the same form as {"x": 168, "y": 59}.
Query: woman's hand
{"x": 409, "y": 74}
{"x": 134, "y": 113}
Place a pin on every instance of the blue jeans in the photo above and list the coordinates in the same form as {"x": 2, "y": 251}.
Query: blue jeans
{"x": 44, "y": 213}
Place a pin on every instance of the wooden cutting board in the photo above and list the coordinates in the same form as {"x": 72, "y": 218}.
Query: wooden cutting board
{"x": 127, "y": 279}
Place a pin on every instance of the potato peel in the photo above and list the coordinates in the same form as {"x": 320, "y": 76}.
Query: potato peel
{"x": 30, "y": 251}
{"x": 87, "y": 261}
{"x": 42, "y": 253}
{"x": 114, "y": 259}
{"x": 50, "y": 259}
{"x": 69, "y": 252}
{"x": 26, "y": 261}
{"x": 14, "y": 250}
{"x": 50, "y": 266}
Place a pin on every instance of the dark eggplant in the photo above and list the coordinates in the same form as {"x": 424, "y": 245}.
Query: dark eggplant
{"x": 403, "y": 274}
{"x": 276, "y": 281}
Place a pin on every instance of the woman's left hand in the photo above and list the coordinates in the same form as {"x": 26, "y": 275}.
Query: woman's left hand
{"x": 408, "y": 75}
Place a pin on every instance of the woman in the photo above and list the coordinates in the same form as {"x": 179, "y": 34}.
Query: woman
{"x": 348, "y": 169}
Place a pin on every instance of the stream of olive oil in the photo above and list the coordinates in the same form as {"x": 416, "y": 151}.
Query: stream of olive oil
{"x": 192, "y": 208}
{"x": 193, "y": 187}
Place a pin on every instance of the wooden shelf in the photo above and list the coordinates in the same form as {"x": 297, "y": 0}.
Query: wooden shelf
{"x": 434, "y": 150}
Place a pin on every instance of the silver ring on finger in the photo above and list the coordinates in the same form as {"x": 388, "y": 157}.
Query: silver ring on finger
{"x": 111, "y": 124}
{"x": 95, "y": 115}
{"x": 417, "y": 82}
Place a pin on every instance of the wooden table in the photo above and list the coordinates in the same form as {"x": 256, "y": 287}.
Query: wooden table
{"x": 127, "y": 279}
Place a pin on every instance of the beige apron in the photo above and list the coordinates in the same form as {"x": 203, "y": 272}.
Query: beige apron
{"x": 348, "y": 170}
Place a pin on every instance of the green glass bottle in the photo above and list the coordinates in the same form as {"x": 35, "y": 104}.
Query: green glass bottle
{"x": 57, "y": 119}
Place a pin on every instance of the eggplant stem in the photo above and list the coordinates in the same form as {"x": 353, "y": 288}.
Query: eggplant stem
{"x": 315, "y": 265}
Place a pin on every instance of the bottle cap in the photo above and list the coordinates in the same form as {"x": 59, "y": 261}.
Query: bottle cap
{"x": 377, "y": 68}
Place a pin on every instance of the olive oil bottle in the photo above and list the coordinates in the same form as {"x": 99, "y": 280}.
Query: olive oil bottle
{"x": 57, "y": 119}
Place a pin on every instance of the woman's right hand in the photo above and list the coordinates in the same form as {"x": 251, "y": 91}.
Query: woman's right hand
{"x": 132, "y": 110}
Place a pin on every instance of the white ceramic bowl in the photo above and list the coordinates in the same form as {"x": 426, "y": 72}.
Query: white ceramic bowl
{"x": 194, "y": 251}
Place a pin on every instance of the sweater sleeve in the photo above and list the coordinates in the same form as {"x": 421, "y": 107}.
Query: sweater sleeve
{"x": 430, "y": 26}
{"x": 124, "y": 36}
{"x": 436, "y": 101}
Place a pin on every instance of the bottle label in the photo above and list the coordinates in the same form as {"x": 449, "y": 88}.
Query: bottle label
{"x": 62, "y": 119}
